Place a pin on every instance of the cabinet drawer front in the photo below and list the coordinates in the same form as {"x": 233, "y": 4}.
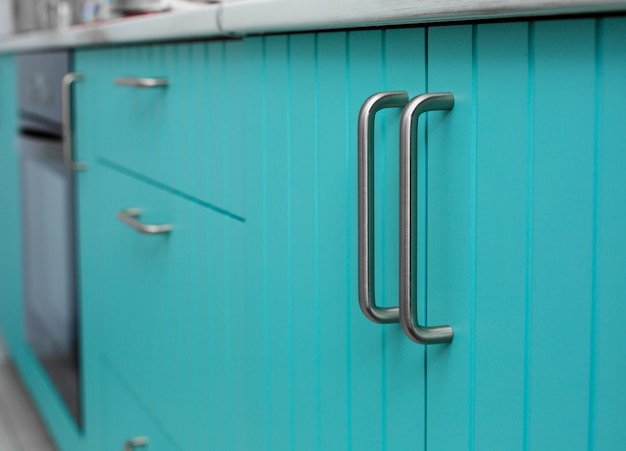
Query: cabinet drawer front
{"x": 186, "y": 134}
{"x": 127, "y": 425}
{"x": 152, "y": 297}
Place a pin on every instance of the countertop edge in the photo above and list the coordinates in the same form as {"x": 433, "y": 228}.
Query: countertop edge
{"x": 273, "y": 16}
{"x": 240, "y": 18}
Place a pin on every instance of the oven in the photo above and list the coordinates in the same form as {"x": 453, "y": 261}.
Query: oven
{"x": 48, "y": 225}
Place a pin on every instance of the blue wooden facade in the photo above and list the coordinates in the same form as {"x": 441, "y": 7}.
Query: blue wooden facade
{"x": 241, "y": 328}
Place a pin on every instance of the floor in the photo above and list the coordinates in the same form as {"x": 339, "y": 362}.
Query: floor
{"x": 20, "y": 427}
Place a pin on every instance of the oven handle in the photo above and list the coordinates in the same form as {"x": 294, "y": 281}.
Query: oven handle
{"x": 66, "y": 105}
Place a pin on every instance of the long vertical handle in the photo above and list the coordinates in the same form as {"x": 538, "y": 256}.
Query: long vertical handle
{"x": 367, "y": 302}
{"x": 66, "y": 105}
{"x": 408, "y": 230}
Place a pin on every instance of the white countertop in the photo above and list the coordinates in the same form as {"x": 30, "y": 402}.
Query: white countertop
{"x": 196, "y": 20}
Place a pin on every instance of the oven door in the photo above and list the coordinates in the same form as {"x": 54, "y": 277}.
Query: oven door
{"x": 49, "y": 263}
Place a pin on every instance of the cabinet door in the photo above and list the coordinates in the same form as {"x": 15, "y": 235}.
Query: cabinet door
{"x": 525, "y": 249}
{"x": 326, "y": 377}
{"x": 156, "y": 307}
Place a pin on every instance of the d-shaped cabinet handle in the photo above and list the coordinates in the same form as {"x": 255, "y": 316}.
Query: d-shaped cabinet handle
{"x": 134, "y": 443}
{"x": 138, "y": 82}
{"x": 406, "y": 312}
{"x": 408, "y": 229}
{"x": 367, "y": 302}
{"x": 129, "y": 217}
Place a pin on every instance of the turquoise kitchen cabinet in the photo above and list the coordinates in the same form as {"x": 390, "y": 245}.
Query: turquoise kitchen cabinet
{"x": 241, "y": 329}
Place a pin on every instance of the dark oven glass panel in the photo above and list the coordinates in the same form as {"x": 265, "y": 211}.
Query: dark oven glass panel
{"x": 40, "y": 76}
{"x": 50, "y": 304}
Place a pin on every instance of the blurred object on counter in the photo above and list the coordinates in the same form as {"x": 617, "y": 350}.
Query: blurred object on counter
{"x": 33, "y": 15}
{"x": 139, "y": 6}
{"x": 91, "y": 10}
{"x": 6, "y": 17}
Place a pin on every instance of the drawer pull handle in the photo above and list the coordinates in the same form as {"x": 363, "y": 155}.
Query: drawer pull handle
{"x": 128, "y": 217}
{"x": 133, "y": 443}
{"x": 142, "y": 82}
{"x": 367, "y": 302}
{"x": 408, "y": 230}
{"x": 66, "y": 107}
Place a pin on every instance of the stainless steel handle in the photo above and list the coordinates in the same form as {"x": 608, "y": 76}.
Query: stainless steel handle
{"x": 408, "y": 230}
{"x": 66, "y": 107}
{"x": 133, "y": 443}
{"x": 367, "y": 301}
{"x": 128, "y": 217}
{"x": 142, "y": 82}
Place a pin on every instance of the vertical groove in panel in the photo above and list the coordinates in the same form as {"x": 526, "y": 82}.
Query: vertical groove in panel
{"x": 529, "y": 242}
{"x": 350, "y": 280}
{"x": 318, "y": 315}
{"x": 163, "y": 320}
{"x": 425, "y": 374}
{"x": 290, "y": 297}
{"x": 365, "y": 66}
{"x": 382, "y": 170}
{"x": 278, "y": 267}
{"x": 265, "y": 245}
{"x": 610, "y": 310}
{"x": 303, "y": 225}
{"x": 228, "y": 317}
{"x": 562, "y": 231}
{"x": 203, "y": 127}
{"x": 204, "y": 406}
{"x": 197, "y": 290}
{"x": 232, "y": 87}
{"x": 402, "y": 360}
{"x": 188, "y": 219}
{"x": 473, "y": 197}
{"x": 176, "y": 273}
{"x": 249, "y": 355}
{"x": 331, "y": 133}
{"x": 449, "y": 219}
{"x": 213, "y": 312}
{"x": 502, "y": 67}
{"x": 599, "y": 59}
{"x": 225, "y": 119}
{"x": 529, "y": 231}
{"x": 206, "y": 341}
{"x": 425, "y": 291}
